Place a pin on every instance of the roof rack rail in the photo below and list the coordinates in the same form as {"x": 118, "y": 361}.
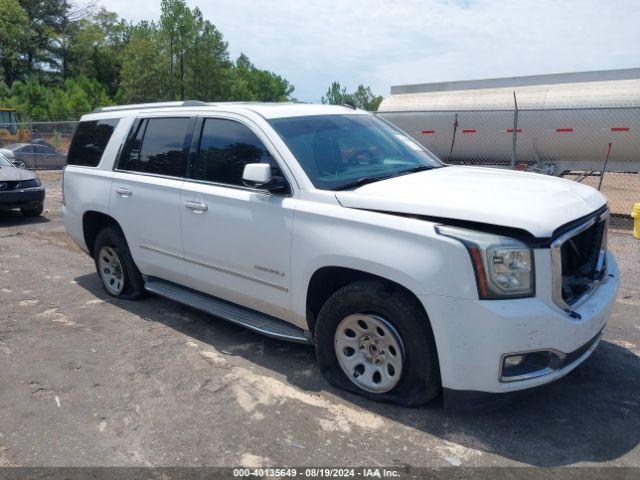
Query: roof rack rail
{"x": 146, "y": 106}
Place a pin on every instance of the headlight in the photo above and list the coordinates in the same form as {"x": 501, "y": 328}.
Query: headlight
{"x": 503, "y": 265}
{"x": 33, "y": 183}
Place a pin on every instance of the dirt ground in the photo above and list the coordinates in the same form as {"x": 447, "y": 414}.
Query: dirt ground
{"x": 86, "y": 380}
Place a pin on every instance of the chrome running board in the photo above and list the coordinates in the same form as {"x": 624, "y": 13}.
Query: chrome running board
{"x": 255, "y": 321}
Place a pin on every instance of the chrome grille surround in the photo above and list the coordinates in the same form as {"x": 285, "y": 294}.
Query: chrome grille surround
{"x": 556, "y": 262}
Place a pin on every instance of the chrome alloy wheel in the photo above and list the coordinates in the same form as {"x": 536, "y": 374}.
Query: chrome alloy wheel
{"x": 111, "y": 272}
{"x": 370, "y": 352}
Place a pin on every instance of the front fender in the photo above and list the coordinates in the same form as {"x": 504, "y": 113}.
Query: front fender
{"x": 406, "y": 251}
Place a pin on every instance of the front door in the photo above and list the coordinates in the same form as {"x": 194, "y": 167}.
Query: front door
{"x": 237, "y": 240}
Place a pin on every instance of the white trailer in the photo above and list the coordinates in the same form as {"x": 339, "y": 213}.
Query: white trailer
{"x": 565, "y": 122}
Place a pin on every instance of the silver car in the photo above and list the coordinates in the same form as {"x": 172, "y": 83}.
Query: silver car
{"x": 37, "y": 156}
{"x": 20, "y": 188}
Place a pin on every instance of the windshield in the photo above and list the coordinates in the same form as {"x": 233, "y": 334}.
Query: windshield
{"x": 4, "y": 162}
{"x": 339, "y": 151}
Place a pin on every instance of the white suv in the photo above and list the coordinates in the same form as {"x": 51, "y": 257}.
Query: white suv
{"x": 329, "y": 226}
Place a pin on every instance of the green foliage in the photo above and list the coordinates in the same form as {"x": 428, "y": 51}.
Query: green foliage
{"x": 250, "y": 83}
{"x": 75, "y": 97}
{"x": 144, "y": 68}
{"x": 95, "y": 48}
{"x": 57, "y": 140}
{"x": 5, "y": 92}
{"x": 207, "y": 65}
{"x": 362, "y": 98}
{"x": 31, "y": 98}
{"x": 15, "y": 32}
{"x": 59, "y": 61}
{"x": 47, "y": 19}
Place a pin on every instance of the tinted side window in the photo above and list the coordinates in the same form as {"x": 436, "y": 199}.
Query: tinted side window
{"x": 89, "y": 142}
{"x": 158, "y": 147}
{"x": 226, "y": 147}
{"x": 130, "y": 156}
{"x": 44, "y": 150}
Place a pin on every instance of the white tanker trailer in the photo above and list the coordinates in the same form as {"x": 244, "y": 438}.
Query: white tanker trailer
{"x": 565, "y": 122}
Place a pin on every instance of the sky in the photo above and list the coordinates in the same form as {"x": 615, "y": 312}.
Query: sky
{"x": 381, "y": 43}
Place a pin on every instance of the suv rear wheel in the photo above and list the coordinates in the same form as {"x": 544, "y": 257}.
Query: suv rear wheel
{"x": 119, "y": 275}
{"x": 374, "y": 339}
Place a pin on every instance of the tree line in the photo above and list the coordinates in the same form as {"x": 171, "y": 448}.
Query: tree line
{"x": 59, "y": 61}
{"x": 362, "y": 98}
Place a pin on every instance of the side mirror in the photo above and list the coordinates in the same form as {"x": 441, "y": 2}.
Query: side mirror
{"x": 258, "y": 175}
{"x": 18, "y": 164}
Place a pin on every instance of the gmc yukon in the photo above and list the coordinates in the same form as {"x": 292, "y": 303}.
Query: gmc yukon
{"x": 329, "y": 226}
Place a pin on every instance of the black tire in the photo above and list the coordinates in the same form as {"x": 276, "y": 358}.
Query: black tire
{"x": 420, "y": 378}
{"x": 133, "y": 282}
{"x": 33, "y": 210}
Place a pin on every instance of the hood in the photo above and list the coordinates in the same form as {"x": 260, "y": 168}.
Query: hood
{"x": 533, "y": 202}
{"x": 8, "y": 174}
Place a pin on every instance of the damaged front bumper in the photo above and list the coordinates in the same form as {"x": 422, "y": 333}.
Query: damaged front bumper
{"x": 474, "y": 338}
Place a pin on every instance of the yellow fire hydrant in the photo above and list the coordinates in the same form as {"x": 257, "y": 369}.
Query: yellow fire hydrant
{"x": 636, "y": 220}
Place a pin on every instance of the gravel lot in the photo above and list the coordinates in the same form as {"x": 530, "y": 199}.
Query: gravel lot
{"x": 88, "y": 380}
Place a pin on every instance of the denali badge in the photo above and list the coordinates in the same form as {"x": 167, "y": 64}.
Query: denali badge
{"x": 268, "y": 270}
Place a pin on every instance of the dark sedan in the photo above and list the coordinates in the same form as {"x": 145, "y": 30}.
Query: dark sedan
{"x": 20, "y": 188}
{"x": 38, "y": 156}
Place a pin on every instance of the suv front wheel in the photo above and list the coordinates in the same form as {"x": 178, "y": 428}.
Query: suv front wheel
{"x": 373, "y": 338}
{"x": 119, "y": 275}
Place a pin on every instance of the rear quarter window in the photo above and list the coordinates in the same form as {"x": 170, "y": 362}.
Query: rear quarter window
{"x": 89, "y": 142}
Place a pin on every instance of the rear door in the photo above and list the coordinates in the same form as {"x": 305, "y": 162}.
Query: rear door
{"x": 47, "y": 157}
{"x": 237, "y": 240}
{"x": 145, "y": 193}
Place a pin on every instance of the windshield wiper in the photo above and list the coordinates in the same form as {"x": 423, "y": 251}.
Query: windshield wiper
{"x": 363, "y": 181}
{"x": 419, "y": 168}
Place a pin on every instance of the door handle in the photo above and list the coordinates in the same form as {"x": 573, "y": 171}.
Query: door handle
{"x": 124, "y": 192}
{"x": 196, "y": 207}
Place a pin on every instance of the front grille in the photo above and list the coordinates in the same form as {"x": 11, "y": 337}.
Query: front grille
{"x": 580, "y": 255}
{"x": 578, "y": 261}
{"x": 7, "y": 186}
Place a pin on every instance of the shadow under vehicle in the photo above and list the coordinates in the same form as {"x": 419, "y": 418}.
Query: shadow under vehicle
{"x": 591, "y": 416}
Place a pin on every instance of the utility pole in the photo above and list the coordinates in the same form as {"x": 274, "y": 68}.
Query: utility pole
{"x": 604, "y": 166}
{"x": 515, "y": 132}
{"x": 453, "y": 138}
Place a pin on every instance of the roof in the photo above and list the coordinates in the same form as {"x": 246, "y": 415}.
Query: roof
{"x": 280, "y": 110}
{"x": 265, "y": 109}
{"x": 608, "y": 88}
{"x": 15, "y": 146}
{"x": 528, "y": 80}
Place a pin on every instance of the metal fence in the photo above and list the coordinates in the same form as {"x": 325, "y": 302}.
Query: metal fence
{"x": 38, "y": 145}
{"x": 576, "y": 143}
